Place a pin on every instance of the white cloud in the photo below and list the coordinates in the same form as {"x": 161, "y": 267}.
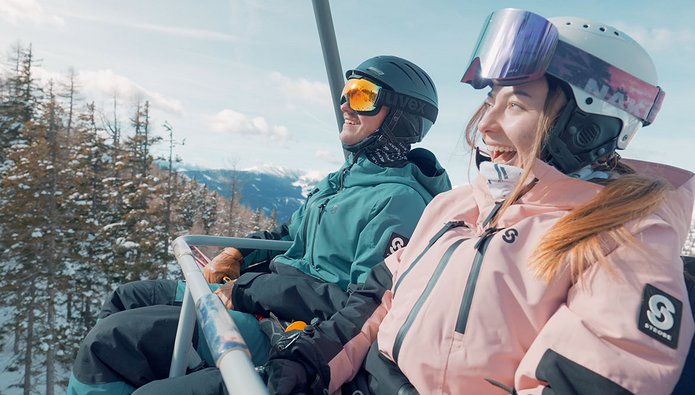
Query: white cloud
{"x": 104, "y": 83}
{"x": 329, "y": 156}
{"x": 660, "y": 39}
{"x": 44, "y": 76}
{"x": 174, "y": 31}
{"x": 297, "y": 90}
{"x": 232, "y": 122}
{"x": 27, "y": 11}
{"x": 189, "y": 33}
{"x": 101, "y": 84}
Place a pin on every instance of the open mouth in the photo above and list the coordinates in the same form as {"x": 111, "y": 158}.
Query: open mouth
{"x": 349, "y": 121}
{"x": 500, "y": 154}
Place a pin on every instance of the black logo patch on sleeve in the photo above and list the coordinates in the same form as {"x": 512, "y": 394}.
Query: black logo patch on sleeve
{"x": 660, "y": 316}
{"x": 396, "y": 242}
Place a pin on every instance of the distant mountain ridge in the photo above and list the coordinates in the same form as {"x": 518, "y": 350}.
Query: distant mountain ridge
{"x": 266, "y": 188}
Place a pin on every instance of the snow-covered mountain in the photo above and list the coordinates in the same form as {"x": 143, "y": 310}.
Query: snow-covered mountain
{"x": 264, "y": 187}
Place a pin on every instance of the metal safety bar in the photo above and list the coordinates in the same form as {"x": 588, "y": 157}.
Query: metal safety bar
{"x": 331, "y": 56}
{"x": 228, "y": 349}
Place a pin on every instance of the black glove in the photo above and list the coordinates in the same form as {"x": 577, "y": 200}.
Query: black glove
{"x": 296, "y": 366}
{"x": 286, "y": 377}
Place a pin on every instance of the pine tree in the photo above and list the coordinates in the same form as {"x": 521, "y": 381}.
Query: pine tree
{"x": 37, "y": 165}
{"x": 20, "y": 100}
{"x": 209, "y": 210}
{"x": 113, "y": 228}
{"x": 274, "y": 218}
{"x": 232, "y": 206}
{"x": 91, "y": 252}
{"x": 113, "y": 128}
{"x": 70, "y": 89}
{"x": 233, "y": 217}
{"x": 256, "y": 220}
{"x": 23, "y": 215}
{"x": 54, "y": 243}
{"x": 188, "y": 205}
{"x": 144, "y": 245}
{"x": 170, "y": 196}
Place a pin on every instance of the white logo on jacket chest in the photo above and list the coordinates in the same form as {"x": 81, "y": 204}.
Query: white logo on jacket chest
{"x": 661, "y": 312}
{"x": 660, "y": 316}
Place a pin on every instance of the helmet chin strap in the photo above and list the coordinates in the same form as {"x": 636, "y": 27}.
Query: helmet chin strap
{"x": 481, "y": 157}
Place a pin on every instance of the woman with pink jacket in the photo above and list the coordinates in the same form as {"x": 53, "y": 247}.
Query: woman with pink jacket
{"x": 557, "y": 271}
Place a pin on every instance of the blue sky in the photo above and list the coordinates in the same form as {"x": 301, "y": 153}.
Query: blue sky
{"x": 243, "y": 82}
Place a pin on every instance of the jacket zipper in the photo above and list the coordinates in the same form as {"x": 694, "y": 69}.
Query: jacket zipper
{"x": 447, "y": 227}
{"x": 305, "y": 231}
{"x": 423, "y": 297}
{"x": 480, "y": 248}
{"x": 343, "y": 174}
{"x": 322, "y": 209}
{"x": 464, "y": 310}
{"x": 313, "y": 191}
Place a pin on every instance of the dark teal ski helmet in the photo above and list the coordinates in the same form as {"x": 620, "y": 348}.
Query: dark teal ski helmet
{"x": 412, "y": 98}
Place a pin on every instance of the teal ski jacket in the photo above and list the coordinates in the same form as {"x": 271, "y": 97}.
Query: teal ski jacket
{"x": 358, "y": 215}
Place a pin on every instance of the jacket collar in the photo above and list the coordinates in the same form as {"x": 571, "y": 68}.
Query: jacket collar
{"x": 552, "y": 191}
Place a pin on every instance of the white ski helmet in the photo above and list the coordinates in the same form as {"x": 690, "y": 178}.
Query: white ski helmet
{"x": 615, "y": 48}
{"x": 611, "y": 77}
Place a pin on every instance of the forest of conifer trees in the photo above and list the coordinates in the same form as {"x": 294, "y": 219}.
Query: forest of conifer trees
{"x": 83, "y": 208}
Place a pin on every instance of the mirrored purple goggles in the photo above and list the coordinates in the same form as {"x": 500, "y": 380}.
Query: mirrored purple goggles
{"x": 517, "y": 46}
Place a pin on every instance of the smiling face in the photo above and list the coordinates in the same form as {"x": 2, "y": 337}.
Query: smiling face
{"x": 358, "y": 127}
{"x": 510, "y": 122}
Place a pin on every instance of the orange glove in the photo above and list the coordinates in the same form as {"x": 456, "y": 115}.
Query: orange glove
{"x": 226, "y": 264}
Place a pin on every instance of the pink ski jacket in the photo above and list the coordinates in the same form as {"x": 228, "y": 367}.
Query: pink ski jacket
{"x": 459, "y": 310}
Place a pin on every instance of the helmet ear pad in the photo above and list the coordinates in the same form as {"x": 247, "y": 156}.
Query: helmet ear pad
{"x": 405, "y": 127}
{"x": 578, "y": 139}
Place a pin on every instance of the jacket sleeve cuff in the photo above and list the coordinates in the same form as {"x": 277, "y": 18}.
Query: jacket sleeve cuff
{"x": 240, "y": 299}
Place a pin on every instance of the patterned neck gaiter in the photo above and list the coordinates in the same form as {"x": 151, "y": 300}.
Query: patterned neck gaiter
{"x": 379, "y": 149}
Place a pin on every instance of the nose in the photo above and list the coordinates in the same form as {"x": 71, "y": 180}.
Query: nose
{"x": 345, "y": 106}
{"x": 490, "y": 120}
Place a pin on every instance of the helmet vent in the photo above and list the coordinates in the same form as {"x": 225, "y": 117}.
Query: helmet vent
{"x": 374, "y": 69}
{"x": 587, "y": 135}
{"x": 413, "y": 71}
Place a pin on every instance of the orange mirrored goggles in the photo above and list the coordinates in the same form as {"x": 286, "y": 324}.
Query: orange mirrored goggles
{"x": 366, "y": 98}
{"x": 362, "y": 96}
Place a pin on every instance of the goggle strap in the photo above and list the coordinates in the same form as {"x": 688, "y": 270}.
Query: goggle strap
{"x": 613, "y": 85}
{"x": 655, "y": 107}
{"x": 409, "y": 104}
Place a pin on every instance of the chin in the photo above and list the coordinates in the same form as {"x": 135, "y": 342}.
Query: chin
{"x": 346, "y": 141}
{"x": 508, "y": 162}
